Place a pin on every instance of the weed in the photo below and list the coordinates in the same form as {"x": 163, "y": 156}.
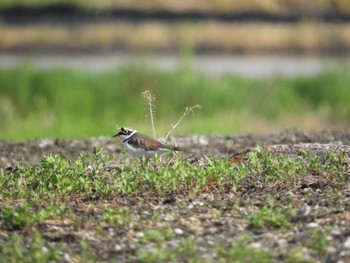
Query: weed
{"x": 318, "y": 240}
{"x": 16, "y": 218}
{"x": 187, "y": 111}
{"x": 116, "y": 216}
{"x": 297, "y": 255}
{"x": 241, "y": 251}
{"x": 16, "y": 250}
{"x": 157, "y": 236}
{"x": 150, "y": 99}
{"x": 270, "y": 216}
{"x": 185, "y": 251}
{"x": 86, "y": 254}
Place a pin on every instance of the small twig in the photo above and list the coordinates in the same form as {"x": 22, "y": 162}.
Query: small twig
{"x": 187, "y": 111}
{"x": 150, "y": 98}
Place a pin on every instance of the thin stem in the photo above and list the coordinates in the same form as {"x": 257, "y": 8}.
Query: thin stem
{"x": 187, "y": 111}
{"x": 149, "y": 100}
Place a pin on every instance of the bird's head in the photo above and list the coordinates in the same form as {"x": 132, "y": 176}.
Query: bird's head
{"x": 125, "y": 133}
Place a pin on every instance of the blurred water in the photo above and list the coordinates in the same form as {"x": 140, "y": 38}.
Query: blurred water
{"x": 246, "y": 66}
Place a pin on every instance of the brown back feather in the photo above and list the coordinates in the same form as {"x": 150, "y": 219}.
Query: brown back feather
{"x": 149, "y": 143}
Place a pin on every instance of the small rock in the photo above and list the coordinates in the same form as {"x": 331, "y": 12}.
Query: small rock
{"x": 139, "y": 234}
{"x": 335, "y": 232}
{"x": 66, "y": 257}
{"x": 304, "y": 210}
{"x": 44, "y": 143}
{"x": 255, "y": 245}
{"x": 347, "y": 243}
{"x": 178, "y": 231}
{"x": 118, "y": 247}
{"x": 281, "y": 242}
{"x": 312, "y": 225}
{"x": 344, "y": 253}
{"x": 331, "y": 250}
{"x": 169, "y": 218}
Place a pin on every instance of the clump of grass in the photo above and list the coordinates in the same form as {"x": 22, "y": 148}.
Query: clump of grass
{"x": 318, "y": 240}
{"x": 272, "y": 168}
{"x": 116, "y": 216}
{"x": 157, "y": 236}
{"x": 17, "y": 218}
{"x": 15, "y": 250}
{"x": 241, "y": 251}
{"x": 297, "y": 255}
{"x": 270, "y": 216}
{"x": 185, "y": 251}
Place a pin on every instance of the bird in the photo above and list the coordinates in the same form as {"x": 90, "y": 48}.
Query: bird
{"x": 141, "y": 145}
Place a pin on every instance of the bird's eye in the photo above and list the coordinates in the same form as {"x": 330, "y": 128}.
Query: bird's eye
{"x": 125, "y": 132}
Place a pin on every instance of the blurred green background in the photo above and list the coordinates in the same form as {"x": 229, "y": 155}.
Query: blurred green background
{"x": 75, "y": 103}
{"x": 70, "y": 104}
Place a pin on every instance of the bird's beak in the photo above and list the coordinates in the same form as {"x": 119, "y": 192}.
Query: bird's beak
{"x": 116, "y": 135}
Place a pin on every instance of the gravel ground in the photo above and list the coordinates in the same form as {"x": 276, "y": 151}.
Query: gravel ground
{"x": 215, "y": 217}
{"x": 221, "y": 146}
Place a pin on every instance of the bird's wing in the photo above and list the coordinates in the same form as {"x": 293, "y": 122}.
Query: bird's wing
{"x": 146, "y": 142}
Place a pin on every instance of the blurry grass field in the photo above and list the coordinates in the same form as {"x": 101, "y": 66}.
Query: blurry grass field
{"x": 70, "y": 104}
{"x": 304, "y": 37}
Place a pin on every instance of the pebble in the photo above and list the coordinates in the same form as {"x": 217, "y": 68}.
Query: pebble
{"x": 255, "y": 245}
{"x": 118, "y": 247}
{"x": 66, "y": 257}
{"x": 304, "y": 210}
{"x": 331, "y": 250}
{"x": 347, "y": 243}
{"x": 281, "y": 242}
{"x": 139, "y": 234}
{"x": 178, "y": 231}
{"x": 44, "y": 143}
{"x": 312, "y": 225}
{"x": 335, "y": 232}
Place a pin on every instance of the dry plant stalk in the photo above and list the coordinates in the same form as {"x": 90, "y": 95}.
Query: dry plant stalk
{"x": 150, "y": 98}
{"x": 187, "y": 111}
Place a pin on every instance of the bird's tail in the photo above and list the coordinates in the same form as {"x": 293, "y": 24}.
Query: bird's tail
{"x": 176, "y": 148}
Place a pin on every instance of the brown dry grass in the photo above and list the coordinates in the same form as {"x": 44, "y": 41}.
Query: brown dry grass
{"x": 284, "y": 6}
{"x": 249, "y": 37}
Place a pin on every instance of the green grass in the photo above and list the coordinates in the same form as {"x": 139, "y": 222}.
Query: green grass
{"x": 186, "y": 251}
{"x": 241, "y": 251}
{"x": 17, "y": 218}
{"x": 44, "y": 217}
{"x": 58, "y": 178}
{"x": 318, "y": 240}
{"x": 15, "y": 250}
{"x": 70, "y": 104}
{"x": 271, "y": 217}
